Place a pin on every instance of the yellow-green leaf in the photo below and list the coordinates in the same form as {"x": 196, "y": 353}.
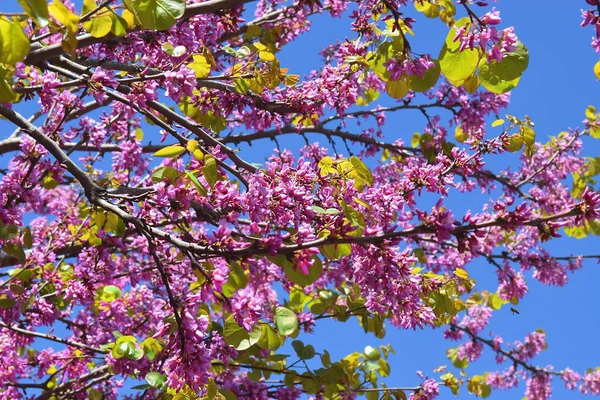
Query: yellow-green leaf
{"x": 429, "y": 79}
{"x": 119, "y": 25}
{"x": 260, "y": 46}
{"x": 336, "y": 251}
{"x": 450, "y": 43}
{"x": 266, "y": 56}
{"x": 37, "y": 10}
{"x": 364, "y": 173}
{"x": 515, "y": 143}
{"x": 63, "y": 15}
{"x": 492, "y": 81}
{"x": 192, "y": 145}
{"x": 458, "y": 65}
{"x": 397, "y": 89}
{"x": 286, "y": 320}
{"x": 597, "y": 70}
{"x": 269, "y": 339}
{"x": 156, "y": 14}
{"x": 471, "y": 84}
{"x": 14, "y": 44}
{"x": 590, "y": 113}
{"x": 200, "y": 65}
{"x": 170, "y": 151}
{"x": 326, "y": 166}
{"x": 428, "y": 9}
{"x": 497, "y": 122}
{"x": 461, "y": 273}
{"x": 199, "y": 187}
{"x": 6, "y": 92}
{"x": 210, "y": 170}
{"x": 415, "y": 139}
{"x": 151, "y": 347}
{"x": 527, "y": 135}
{"x": 460, "y": 135}
{"x": 100, "y": 24}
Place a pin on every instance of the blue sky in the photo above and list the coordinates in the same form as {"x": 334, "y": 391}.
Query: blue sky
{"x": 554, "y": 92}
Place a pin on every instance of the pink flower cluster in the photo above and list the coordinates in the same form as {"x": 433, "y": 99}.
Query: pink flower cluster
{"x": 500, "y": 42}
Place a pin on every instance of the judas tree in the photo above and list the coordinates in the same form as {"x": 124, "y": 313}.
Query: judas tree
{"x": 143, "y": 254}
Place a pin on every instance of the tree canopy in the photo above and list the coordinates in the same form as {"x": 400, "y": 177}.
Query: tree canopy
{"x": 145, "y": 255}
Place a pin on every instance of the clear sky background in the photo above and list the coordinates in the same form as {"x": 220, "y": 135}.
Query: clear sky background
{"x": 554, "y": 92}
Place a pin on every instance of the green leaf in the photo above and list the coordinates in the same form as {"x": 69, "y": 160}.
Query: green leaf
{"x": 14, "y": 44}
{"x": 158, "y": 15}
{"x": 27, "y": 239}
{"x": 210, "y": 171}
{"x": 170, "y": 151}
{"x": 513, "y": 64}
{"x": 286, "y": 321}
{"x": 385, "y": 52}
{"x": 151, "y": 348}
{"x": 125, "y": 346}
{"x": 237, "y": 336}
{"x": 161, "y": 174}
{"x": 100, "y": 24}
{"x": 269, "y": 339}
{"x": 266, "y": 56}
{"x": 399, "y": 394}
{"x": 471, "y": 84}
{"x": 459, "y": 363}
{"x": 295, "y": 275}
{"x": 15, "y": 250}
{"x": 6, "y": 92}
{"x": 119, "y": 28}
{"x": 113, "y": 222}
{"x": 7, "y": 303}
{"x": 37, "y": 10}
{"x": 329, "y": 211}
{"x": 108, "y": 293}
{"x": 199, "y": 187}
{"x": 8, "y": 232}
{"x": 495, "y": 301}
{"x": 242, "y": 85}
{"x": 429, "y": 79}
{"x": 372, "y": 353}
{"x": 304, "y": 352}
{"x": 253, "y": 338}
{"x": 488, "y": 75}
{"x": 237, "y": 279}
{"x": 336, "y": 251}
{"x": 136, "y": 354}
{"x": 459, "y": 65}
{"x": 156, "y": 379}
